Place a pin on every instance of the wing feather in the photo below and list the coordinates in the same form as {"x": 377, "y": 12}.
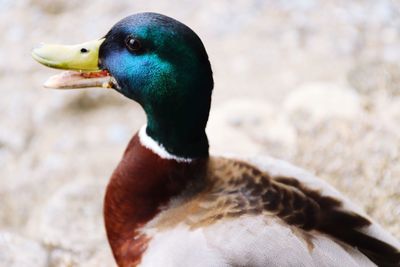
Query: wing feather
{"x": 300, "y": 200}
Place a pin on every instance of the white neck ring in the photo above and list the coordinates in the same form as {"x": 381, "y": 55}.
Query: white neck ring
{"x": 158, "y": 148}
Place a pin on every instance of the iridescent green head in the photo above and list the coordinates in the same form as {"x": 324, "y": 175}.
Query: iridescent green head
{"x": 163, "y": 65}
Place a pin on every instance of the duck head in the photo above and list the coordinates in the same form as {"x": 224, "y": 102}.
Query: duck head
{"x": 154, "y": 60}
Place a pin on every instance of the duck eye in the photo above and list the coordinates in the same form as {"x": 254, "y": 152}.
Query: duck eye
{"x": 132, "y": 44}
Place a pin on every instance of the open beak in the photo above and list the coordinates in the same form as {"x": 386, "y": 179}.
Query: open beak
{"x": 81, "y": 63}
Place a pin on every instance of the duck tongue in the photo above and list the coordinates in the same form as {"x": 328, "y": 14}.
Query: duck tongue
{"x": 76, "y": 80}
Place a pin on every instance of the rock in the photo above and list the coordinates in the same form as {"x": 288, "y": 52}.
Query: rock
{"x": 16, "y": 127}
{"x": 102, "y": 258}
{"x": 257, "y": 124}
{"x": 55, "y": 7}
{"x": 71, "y": 226}
{"x": 85, "y": 101}
{"x": 372, "y": 77}
{"x": 17, "y": 251}
{"x": 316, "y": 102}
{"x": 387, "y": 111}
{"x": 62, "y": 258}
{"x": 72, "y": 218}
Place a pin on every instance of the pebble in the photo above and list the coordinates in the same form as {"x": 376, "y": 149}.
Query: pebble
{"x": 18, "y": 251}
{"x": 72, "y": 218}
{"x": 315, "y": 102}
{"x": 257, "y": 124}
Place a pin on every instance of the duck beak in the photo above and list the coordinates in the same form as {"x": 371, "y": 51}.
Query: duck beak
{"x": 80, "y": 61}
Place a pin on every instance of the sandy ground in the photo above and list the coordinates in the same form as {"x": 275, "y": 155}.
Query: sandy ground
{"x": 316, "y": 83}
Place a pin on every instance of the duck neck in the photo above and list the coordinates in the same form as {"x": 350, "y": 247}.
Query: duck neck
{"x": 180, "y": 136}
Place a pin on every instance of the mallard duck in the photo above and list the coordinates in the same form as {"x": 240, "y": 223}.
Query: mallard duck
{"x": 169, "y": 203}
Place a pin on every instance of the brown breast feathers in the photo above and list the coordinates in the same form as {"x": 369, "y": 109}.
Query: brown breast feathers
{"x": 141, "y": 184}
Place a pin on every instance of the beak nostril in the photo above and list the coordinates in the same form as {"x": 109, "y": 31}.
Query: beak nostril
{"x": 84, "y": 50}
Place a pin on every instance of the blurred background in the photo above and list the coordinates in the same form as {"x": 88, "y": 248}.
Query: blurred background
{"x": 316, "y": 83}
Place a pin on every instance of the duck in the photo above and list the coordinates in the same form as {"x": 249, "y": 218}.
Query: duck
{"x": 169, "y": 202}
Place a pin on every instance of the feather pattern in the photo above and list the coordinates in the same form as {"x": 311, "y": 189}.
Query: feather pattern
{"x": 223, "y": 211}
{"x": 321, "y": 226}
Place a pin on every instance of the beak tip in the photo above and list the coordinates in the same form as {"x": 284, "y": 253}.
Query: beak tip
{"x": 36, "y": 50}
{"x": 34, "y": 54}
{"x": 51, "y": 83}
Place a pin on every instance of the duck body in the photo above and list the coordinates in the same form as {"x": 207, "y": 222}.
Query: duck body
{"x": 166, "y": 211}
{"x": 169, "y": 203}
